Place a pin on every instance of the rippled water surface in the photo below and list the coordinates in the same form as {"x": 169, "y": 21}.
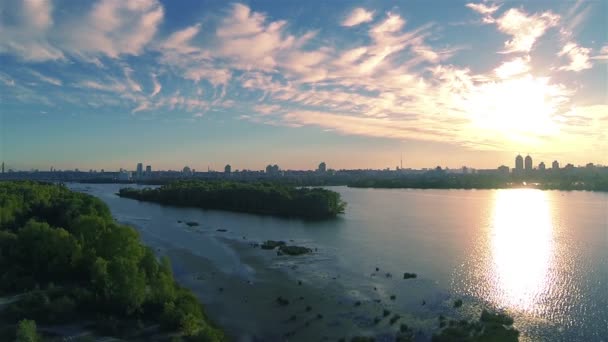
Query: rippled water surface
{"x": 541, "y": 255}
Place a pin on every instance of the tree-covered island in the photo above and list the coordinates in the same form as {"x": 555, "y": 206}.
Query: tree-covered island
{"x": 66, "y": 262}
{"x": 255, "y": 197}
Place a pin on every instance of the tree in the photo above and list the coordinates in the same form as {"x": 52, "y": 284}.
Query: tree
{"x": 26, "y": 331}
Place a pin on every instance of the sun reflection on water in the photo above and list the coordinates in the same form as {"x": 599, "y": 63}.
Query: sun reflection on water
{"x": 522, "y": 248}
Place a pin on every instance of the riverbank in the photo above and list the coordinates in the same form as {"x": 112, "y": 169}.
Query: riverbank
{"x": 269, "y": 297}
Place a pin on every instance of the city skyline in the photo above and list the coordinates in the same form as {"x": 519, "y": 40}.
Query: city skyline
{"x": 204, "y": 84}
{"x": 520, "y": 164}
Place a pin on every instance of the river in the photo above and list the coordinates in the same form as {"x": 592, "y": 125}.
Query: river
{"x": 540, "y": 255}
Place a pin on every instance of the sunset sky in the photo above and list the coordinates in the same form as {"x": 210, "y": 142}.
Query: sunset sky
{"x": 109, "y": 83}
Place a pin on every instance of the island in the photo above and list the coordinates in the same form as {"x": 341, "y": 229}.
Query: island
{"x": 66, "y": 263}
{"x": 251, "y": 197}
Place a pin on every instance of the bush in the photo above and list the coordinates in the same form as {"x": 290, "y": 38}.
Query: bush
{"x": 26, "y": 331}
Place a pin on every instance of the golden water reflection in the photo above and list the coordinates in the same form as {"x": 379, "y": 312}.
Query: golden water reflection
{"x": 522, "y": 248}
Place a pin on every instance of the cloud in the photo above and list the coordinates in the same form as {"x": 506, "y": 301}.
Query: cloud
{"x": 7, "y": 80}
{"x": 513, "y": 67}
{"x": 115, "y": 27}
{"x": 26, "y": 36}
{"x": 157, "y": 86}
{"x": 484, "y": 10}
{"x": 180, "y": 40}
{"x": 111, "y": 28}
{"x": 111, "y": 87}
{"x": 46, "y": 79}
{"x": 525, "y": 29}
{"x": 603, "y": 54}
{"x": 358, "y": 16}
{"x": 134, "y": 86}
{"x": 579, "y": 57}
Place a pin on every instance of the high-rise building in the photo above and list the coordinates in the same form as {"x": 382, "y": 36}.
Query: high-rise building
{"x": 2, "y": 167}
{"x": 148, "y": 170}
{"x": 140, "y": 170}
{"x": 227, "y": 169}
{"x": 542, "y": 166}
{"x": 272, "y": 169}
{"x": 322, "y": 167}
{"x": 519, "y": 163}
{"x": 528, "y": 163}
{"x": 555, "y": 165}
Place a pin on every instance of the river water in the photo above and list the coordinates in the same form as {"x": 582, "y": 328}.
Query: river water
{"x": 540, "y": 255}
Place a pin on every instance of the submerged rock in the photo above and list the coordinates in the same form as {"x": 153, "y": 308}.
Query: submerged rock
{"x": 458, "y": 303}
{"x": 192, "y": 224}
{"x": 221, "y": 230}
{"x": 294, "y": 250}
{"x": 271, "y": 244}
{"x": 282, "y": 301}
{"x": 409, "y": 275}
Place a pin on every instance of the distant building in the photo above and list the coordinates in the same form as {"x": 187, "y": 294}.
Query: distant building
{"x": 186, "y": 171}
{"x": 272, "y": 169}
{"x": 227, "y": 169}
{"x": 322, "y": 167}
{"x": 124, "y": 175}
{"x": 2, "y": 167}
{"x": 148, "y": 170}
{"x": 555, "y": 165}
{"x": 542, "y": 166}
{"x": 140, "y": 170}
{"x": 503, "y": 170}
{"x": 528, "y": 163}
{"x": 519, "y": 163}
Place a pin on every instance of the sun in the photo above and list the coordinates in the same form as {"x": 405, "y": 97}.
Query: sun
{"x": 517, "y": 109}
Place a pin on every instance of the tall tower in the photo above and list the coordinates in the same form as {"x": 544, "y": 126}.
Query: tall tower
{"x": 519, "y": 163}
{"x": 555, "y": 165}
{"x": 2, "y": 167}
{"x": 528, "y": 163}
{"x": 140, "y": 170}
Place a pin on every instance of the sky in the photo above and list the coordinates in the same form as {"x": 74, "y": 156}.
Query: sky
{"x": 106, "y": 84}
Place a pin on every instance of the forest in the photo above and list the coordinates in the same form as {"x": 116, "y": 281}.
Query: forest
{"x": 65, "y": 260}
{"x": 254, "y": 197}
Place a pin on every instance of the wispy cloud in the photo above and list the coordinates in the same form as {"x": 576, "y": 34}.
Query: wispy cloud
{"x": 389, "y": 78}
{"x": 46, "y": 79}
{"x": 358, "y": 16}
{"x": 524, "y": 28}
{"x": 157, "y": 86}
{"x": 603, "y": 54}
{"x": 578, "y": 56}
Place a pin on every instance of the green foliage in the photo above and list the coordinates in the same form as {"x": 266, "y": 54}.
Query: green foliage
{"x": 259, "y": 198}
{"x": 88, "y": 266}
{"x": 490, "y": 327}
{"x": 26, "y": 331}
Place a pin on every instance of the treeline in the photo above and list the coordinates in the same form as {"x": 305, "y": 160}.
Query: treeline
{"x": 434, "y": 181}
{"x": 259, "y": 198}
{"x": 438, "y": 180}
{"x": 70, "y": 262}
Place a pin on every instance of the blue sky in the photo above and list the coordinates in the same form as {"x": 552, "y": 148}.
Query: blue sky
{"x": 109, "y": 83}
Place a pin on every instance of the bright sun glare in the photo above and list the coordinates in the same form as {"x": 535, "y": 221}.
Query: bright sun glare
{"x": 522, "y": 247}
{"x": 519, "y": 109}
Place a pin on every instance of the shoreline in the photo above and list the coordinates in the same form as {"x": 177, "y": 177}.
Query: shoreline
{"x": 242, "y": 298}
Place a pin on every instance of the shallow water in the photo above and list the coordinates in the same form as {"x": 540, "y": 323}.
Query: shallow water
{"x": 541, "y": 255}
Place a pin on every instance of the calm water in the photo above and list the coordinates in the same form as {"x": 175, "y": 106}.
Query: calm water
{"x": 541, "y": 255}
